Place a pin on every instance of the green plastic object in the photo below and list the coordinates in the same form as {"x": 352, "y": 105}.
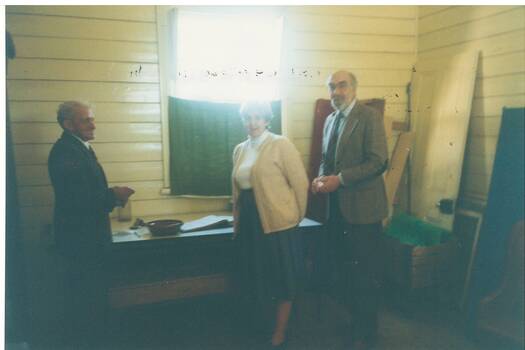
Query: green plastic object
{"x": 413, "y": 231}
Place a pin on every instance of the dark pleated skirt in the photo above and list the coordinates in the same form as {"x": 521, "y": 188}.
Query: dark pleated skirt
{"x": 270, "y": 266}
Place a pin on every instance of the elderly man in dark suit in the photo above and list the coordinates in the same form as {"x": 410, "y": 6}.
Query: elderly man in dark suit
{"x": 354, "y": 158}
{"x": 82, "y": 228}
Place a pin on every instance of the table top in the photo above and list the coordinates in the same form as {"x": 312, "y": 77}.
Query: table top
{"x": 123, "y": 234}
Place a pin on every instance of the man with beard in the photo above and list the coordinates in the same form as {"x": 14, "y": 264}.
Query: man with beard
{"x": 353, "y": 160}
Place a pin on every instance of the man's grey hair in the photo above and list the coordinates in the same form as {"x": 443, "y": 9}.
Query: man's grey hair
{"x": 68, "y": 109}
{"x": 351, "y": 78}
{"x": 262, "y": 109}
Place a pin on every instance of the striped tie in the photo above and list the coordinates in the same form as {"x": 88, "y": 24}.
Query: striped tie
{"x": 332, "y": 143}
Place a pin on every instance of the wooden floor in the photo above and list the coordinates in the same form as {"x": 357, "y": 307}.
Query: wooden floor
{"x": 211, "y": 323}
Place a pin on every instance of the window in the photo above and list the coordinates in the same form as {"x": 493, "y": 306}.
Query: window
{"x": 218, "y": 59}
{"x": 226, "y": 57}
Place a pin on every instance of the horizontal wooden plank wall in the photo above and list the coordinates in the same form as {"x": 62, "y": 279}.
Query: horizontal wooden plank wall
{"x": 499, "y": 33}
{"x": 107, "y": 55}
{"x": 376, "y": 43}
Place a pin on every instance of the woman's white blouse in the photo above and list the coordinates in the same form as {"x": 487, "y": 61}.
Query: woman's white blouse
{"x": 242, "y": 176}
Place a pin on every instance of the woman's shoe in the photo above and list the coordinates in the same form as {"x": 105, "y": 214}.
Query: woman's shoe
{"x": 282, "y": 346}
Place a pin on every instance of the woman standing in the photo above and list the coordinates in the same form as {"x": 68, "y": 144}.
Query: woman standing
{"x": 269, "y": 190}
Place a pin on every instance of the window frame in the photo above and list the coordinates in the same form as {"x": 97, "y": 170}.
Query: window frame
{"x": 165, "y": 56}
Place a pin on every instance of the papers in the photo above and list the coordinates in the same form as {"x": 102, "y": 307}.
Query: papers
{"x": 207, "y": 223}
{"x": 130, "y": 235}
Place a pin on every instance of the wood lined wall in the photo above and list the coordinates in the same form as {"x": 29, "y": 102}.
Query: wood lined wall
{"x": 499, "y": 33}
{"x": 377, "y": 43}
{"x": 107, "y": 55}
{"x": 87, "y": 53}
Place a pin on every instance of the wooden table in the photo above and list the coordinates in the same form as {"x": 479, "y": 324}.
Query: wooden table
{"x": 146, "y": 269}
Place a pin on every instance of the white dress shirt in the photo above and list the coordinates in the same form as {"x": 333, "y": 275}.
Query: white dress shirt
{"x": 85, "y": 143}
{"x": 346, "y": 113}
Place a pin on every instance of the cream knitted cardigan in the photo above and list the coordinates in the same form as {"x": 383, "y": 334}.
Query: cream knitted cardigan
{"x": 279, "y": 183}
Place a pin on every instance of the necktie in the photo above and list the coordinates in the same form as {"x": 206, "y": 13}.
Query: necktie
{"x": 332, "y": 143}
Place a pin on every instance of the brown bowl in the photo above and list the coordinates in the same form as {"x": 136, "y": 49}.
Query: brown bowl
{"x": 167, "y": 227}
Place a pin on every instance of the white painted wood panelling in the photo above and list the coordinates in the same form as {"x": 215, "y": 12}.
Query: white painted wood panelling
{"x": 92, "y": 53}
{"x": 491, "y": 106}
{"x": 55, "y": 69}
{"x": 127, "y": 13}
{"x": 498, "y": 23}
{"x": 509, "y": 63}
{"x": 306, "y": 93}
{"x": 497, "y": 44}
{"x": 485, "y": 126}
{"x": 42, "y": 195}
{"x": 482, "y": 145}
{"x": 499, "y": 33}
{"x": 32, "y": 153}
{"x": 42, "y": 90}
{"x": 425, "y": 11}
{"x": 25, "y": 133}
{"x": 388, "y": 12}
{"x": 457, "y": 15}
{"x": 108, "y": 55}
{"x": 302, "y": 111}
{"x": 502, "y": 85}
{"x": 348, "y": 59}
{"x": 81, "y": 28}
{"x": 356, "y": 25}
{"x": 354, "y": 42}
{"x": 85, "y": 49}
{"x": 31, "y": 175}
{"x": 376, "y": 43}
{"x": 366, "y": 77}
{"x": 45, "y": 112}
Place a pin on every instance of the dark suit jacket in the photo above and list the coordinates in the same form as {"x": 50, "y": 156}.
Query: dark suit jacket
{"x": 361, "y": 157}
{"x": 83, "y": 200}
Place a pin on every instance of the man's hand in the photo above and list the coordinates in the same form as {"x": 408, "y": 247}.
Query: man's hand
{"x": 122, "y": 193}
{"x": 328, "y": 183}
{"x": 316, "y": 184}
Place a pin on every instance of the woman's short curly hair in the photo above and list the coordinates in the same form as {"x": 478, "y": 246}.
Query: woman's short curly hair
{"x": 259, "y": 108}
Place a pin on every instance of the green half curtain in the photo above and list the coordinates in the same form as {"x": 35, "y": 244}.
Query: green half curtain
{"x": 202, "y": 138}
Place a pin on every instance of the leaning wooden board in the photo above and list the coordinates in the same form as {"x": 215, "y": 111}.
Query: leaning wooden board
{"x": 397, "y": 166}
{"x": 442, "y": 91}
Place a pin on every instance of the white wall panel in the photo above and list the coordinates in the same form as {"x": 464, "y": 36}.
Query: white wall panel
{"x": 498, "y": 33}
